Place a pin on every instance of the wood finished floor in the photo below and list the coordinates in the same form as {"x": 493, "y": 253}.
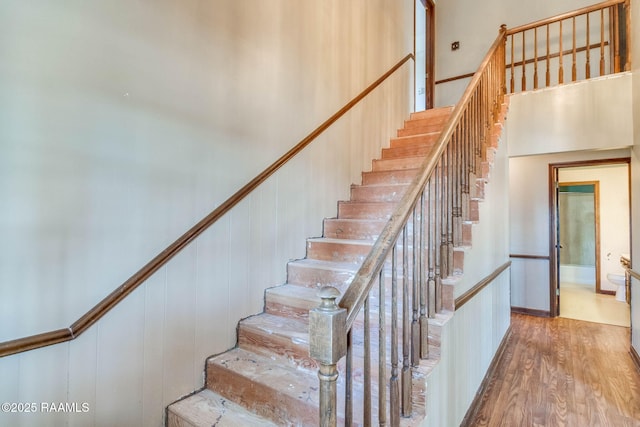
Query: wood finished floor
{"x": 562, "y": 372}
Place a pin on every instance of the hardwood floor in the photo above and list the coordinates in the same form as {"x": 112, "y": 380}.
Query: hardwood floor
{"x": 562, "y": 372}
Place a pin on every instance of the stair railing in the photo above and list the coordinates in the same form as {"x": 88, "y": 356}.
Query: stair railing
{"x": 592, "y": 41}
{"x": 414, "y": 254}
{"x": 87, "y": 320}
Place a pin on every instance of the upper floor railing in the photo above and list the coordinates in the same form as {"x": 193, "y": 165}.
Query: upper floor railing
{"x": 589, "y": 42}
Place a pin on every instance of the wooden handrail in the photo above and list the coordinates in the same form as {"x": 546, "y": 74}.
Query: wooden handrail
{"x": 558, "y": 54}
{"x": 99, "y": 310}
{"x": 525, "y": 256}
{"x": 475, "y": 289}
{"x": 563, "y": 16}
{"x": 617, "y": 13}
{"x": 528, "y": 61}
{"x": 354, "y": 297}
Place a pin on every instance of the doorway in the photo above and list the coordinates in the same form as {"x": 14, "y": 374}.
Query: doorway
{"x": 590, "y": 230}
{"x": 579, "y": 233}
{"x": 424, "y": 48}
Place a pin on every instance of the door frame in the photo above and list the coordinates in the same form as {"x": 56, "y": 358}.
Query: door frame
{"x": 430, "y": 48}
{"x": 554, "y": 259}
{"x": 430, "y": 80}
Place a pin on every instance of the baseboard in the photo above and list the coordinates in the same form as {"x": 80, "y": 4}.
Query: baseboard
{"x": 635, "y": 357}
{"x": 607, "y": 292}
{"x": 477, "y": 400}
{"x": 531, "y": 311}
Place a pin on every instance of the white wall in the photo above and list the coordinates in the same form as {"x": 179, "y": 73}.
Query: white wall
{"x": 614, "y": 205}
{"x": 635, "y": 181}
{"x": 593, "y": 114}
{"x": 122, "y": 125}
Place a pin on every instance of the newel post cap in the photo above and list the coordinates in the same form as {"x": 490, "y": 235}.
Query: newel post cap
{"x": 327, "y": 328}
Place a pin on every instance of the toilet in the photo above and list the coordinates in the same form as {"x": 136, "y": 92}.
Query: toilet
{"x": 618, "y": 280}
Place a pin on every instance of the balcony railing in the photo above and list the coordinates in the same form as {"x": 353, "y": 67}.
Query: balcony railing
{"x": 578, "y": 45}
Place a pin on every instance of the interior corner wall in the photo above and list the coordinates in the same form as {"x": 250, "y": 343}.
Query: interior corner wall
{"x": 123, "y": 124}
{"x": 635, "y": 179}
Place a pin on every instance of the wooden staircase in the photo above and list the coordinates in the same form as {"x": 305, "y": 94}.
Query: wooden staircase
{"x": 269, "y": 378}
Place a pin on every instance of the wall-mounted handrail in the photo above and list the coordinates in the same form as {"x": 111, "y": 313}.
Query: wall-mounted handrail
{"x": 99, "y": 310}
{"x": 628, "y": 274}
{"x": 475, "y": 289}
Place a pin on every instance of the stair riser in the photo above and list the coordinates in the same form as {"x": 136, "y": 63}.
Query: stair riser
{"x": 318, "y": 277}
{"x": 474, "y": 211}
{"x": 337, "y": 252}
{"x": 407, "y": 151}
{"x": 478, "y": 192}
{"x": 298, "y": 309}
{"x": 389, "y": 177}
{"x": 343, "y": 252}
{"x": 467, "y": 234}
{"x": 397, "y": 164}
{"x": 377, "y": 193}
{"x": 353, "y": 229}
{"x": 432, "y": 114}
{"x": 354, "y": 210}
{"x": 427, "y": 139}
{"x": 268, "y": 344}
{"x": 419, "y": 127}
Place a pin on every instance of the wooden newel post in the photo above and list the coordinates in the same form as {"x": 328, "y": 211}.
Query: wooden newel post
{"x": 327, "y": 345}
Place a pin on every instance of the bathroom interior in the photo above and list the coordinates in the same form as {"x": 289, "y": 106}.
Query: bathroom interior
{"x": 594, "y": 232}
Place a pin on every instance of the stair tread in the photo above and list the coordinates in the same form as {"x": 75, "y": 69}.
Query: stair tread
{"x": 207, "y": 408}
{"x": 383, "y": 185}
{"x": 328, "y": 265}
{"x": 341, "y": 241}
